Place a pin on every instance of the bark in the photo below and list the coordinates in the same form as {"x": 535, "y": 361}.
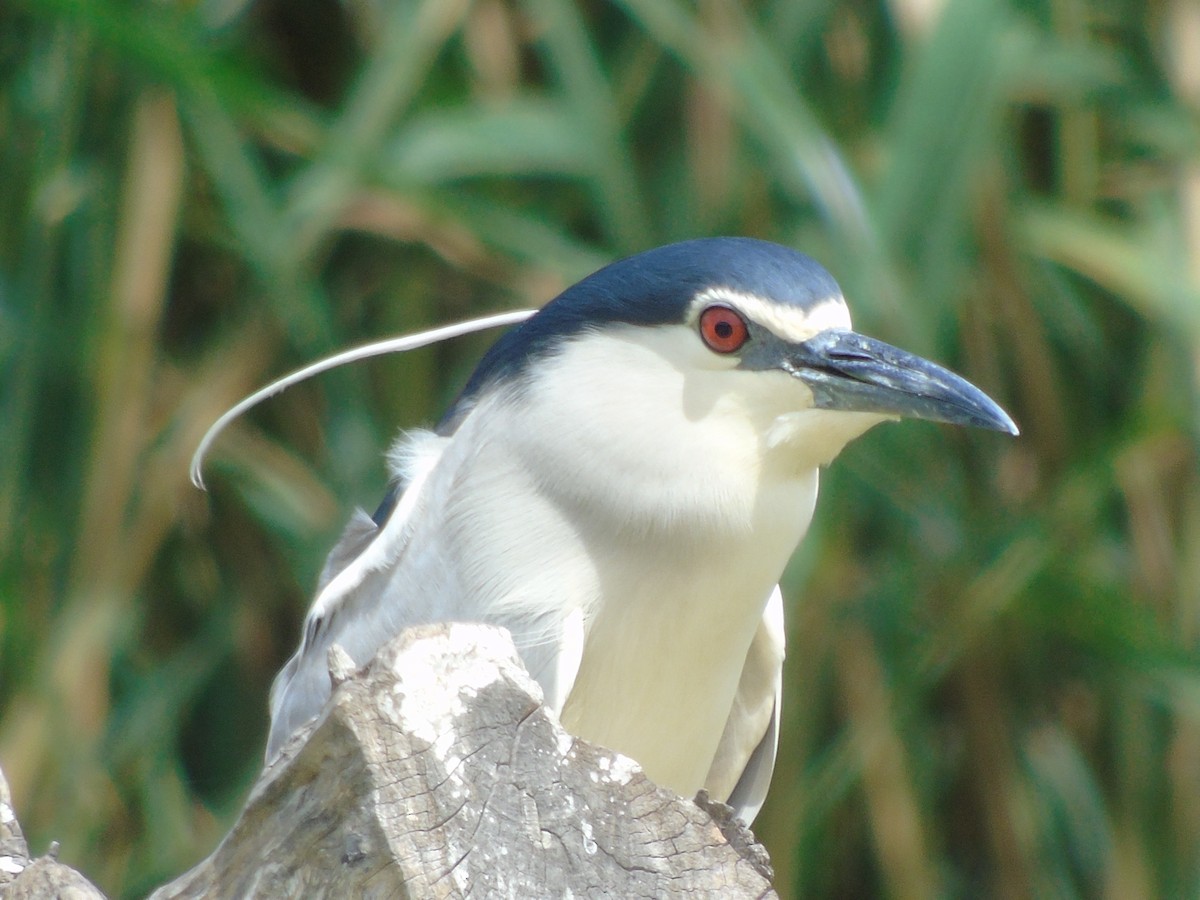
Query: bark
{"x": 437, "y": 772}
{"x": 22, "y": 878}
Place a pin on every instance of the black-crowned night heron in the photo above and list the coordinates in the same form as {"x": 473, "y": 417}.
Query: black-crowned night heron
{"x": 620, "y": 485}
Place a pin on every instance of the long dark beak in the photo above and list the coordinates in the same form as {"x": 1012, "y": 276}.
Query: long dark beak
{"x": 849, "y": 371}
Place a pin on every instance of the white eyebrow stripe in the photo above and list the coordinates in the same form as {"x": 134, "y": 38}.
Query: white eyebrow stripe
{"x": 792, "y": 323}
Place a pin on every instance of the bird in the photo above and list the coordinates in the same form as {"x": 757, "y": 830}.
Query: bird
{"x": 620, "y": 484}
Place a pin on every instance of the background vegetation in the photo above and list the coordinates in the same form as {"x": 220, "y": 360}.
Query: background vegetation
{"x": 994, "y": 678}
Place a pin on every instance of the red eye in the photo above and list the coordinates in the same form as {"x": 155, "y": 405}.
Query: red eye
{"x": 723, "y": 329}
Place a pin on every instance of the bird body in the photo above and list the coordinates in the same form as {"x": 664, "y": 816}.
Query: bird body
{"x": 620, "y": 485}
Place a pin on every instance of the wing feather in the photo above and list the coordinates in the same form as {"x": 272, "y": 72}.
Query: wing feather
{"x": 347, "y": 592}
{"x": 741, "y": 770}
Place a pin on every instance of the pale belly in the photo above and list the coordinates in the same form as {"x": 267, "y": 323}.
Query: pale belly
{"x": 663, "y": 656}
{"x": 661, "y": 700}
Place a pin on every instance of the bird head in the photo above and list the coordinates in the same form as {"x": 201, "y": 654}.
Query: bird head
{"x": 735, "y": 333}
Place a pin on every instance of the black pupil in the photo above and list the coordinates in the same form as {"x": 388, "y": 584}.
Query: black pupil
{"x": 724, "y": 330}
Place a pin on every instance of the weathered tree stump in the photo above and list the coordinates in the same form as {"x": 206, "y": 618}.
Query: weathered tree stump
{"x": 22, "y": 878}
{"x": 437, "y": 772}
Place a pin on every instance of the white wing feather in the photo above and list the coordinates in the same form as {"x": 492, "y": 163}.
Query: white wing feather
{"x": 745, "y": 757}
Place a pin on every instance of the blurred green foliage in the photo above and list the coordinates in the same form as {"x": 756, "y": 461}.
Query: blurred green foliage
{"x": 994, "y": 684}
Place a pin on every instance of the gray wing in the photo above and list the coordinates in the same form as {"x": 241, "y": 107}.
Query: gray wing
{"x": 348, "y": 607}
{"x": 302, "y": 685}
{"x": 741, "y": 770}
{"x": 359, "y": 531}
